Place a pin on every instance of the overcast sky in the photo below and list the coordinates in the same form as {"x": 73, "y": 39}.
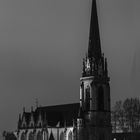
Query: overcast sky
{"x": 43, "y": 42}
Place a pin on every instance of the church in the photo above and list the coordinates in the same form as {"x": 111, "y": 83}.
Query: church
{"x": 90, "y": 119}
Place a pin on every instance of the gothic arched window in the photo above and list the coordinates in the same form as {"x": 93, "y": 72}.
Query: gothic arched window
{"x": 23, "y": 137}
{"x": 88, "y": 98}
{"x": 100, "y": 98}
{"x": 31, "y": 136}
{"x": 39, "y": 136}
{"x": 62, "y": 136}
{"x": 70, "y": 136}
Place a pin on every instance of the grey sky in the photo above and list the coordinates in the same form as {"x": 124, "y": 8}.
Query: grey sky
{"x": 42, "y": 43}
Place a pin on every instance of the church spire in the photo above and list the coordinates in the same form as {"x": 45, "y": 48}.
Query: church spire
{"x": 93, "y": 64}
{"x": 94, "y": 48}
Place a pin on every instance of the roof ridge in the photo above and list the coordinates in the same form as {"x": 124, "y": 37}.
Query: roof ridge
{"x": 58, "y": 105}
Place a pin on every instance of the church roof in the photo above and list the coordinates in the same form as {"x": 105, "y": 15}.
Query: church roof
{"x": 58, "y": 115}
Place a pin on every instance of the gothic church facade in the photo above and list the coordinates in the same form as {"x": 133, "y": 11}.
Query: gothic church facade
{"x": 88, "y": 120}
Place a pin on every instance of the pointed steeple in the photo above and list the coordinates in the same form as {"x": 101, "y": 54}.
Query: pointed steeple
{"x": 94, "y": 48}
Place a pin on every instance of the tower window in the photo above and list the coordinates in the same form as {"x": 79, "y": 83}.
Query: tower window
{"x": 100, "y": 98}
{"x": 88, "y": 98}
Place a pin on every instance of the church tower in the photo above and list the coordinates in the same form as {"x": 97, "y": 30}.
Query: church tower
{"x": 95, "y": 88}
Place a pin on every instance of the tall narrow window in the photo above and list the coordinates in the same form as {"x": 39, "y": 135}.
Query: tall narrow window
{"x": 88, "y": 98}
{"x": 100, "y": 99}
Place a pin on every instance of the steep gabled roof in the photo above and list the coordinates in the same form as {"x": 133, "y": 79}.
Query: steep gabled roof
{"x": 59, "y": 114}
